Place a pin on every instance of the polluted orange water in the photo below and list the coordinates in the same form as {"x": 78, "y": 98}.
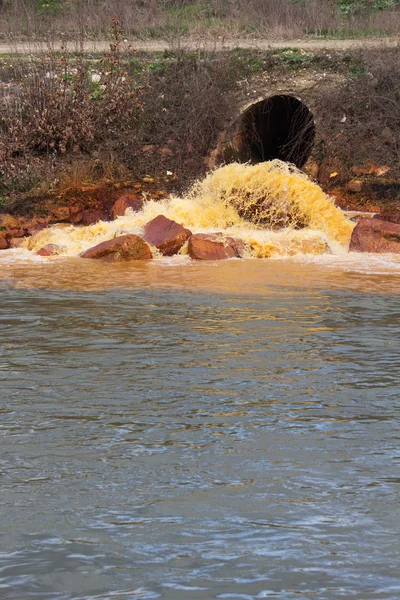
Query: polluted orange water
{"x": 217, "y": 203}
{"x": 176, "y": 429}
{"x": 278, "y": 212}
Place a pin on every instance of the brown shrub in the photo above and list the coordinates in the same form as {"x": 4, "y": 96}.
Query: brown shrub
{"x": 186, "y": 105}
{"x": 361, "y": 117}
{"x": 59, "y": 103}
{"x": 58, "y": 121}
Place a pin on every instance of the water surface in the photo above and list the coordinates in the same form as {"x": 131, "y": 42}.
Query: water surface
{"x": 173, "y": 430}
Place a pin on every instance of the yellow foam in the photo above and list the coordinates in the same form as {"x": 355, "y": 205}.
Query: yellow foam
{"x": 263, "y": 204}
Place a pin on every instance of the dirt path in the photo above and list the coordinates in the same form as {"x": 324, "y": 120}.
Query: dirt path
{"x": 161, "y": 45}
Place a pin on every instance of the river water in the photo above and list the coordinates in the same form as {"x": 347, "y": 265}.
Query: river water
{"x": 178, "y": 430}
{"x": 184, "y": 430}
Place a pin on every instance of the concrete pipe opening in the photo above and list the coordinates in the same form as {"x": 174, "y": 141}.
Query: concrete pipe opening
{"x": 278, "y": 127}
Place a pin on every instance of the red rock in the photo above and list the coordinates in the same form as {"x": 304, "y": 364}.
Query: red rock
{"x": 214, "y": 246}
{"x": 36, "y": 225}
{"x": 76, "y": 218}
{"x": 122, "y": 248}
{"x": 18, "y": 233}
{"x": 49, "y": 250}
{"x": 125, "y": 202}
{"x": 390, "y": 214}
{"x": 330, "y": 172}
{"x": 7, "y": 221}
{"x": 370, "y": 168}
{"x": 12, "y": 227}
{"x": 165, "y": 151}
{"x": 4, "y": 241}
{"x": 374, "y": 235}
{"x": 166, "y": 235}
{"x": 311, "y": 168}
{"x": 61, "y": 214}
{"x": 75, "y": 214}
{"x": 147, "y": 148}
{"x": 91, "y": 217}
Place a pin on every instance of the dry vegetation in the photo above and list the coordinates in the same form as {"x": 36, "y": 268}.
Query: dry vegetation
{"x": 283, "y": 19}
{"x": 78, "y": 118}
{"x": 113, "y": 116}
{"x": 362, "y": 116}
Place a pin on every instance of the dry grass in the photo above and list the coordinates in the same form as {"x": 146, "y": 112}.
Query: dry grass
{"x": 362, "y": 117}
{"x": 66, "y": 118}
{"x": 279, "y": 19}
{"x": 185, "y": 107}
{"x": 119, "y": 116}
{"x": 56, "y": 104}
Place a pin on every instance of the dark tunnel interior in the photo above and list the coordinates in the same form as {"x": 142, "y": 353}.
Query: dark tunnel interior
{"x": 279, "y": 127}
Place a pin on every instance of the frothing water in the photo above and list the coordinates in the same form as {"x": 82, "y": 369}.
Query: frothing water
{"x": 199, "y": 432}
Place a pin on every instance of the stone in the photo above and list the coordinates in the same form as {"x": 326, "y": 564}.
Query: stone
{"x": 61, "y": 214}
{"x": 12, "y": 227}
{"x": 123, "y": 203}
{"x": 91, "y": 217}
{"x": 166, "y": 235}
{"x": 148, "y": 148}
{"x": 374, "y": 235}
{"x": 356, "y": 215}
{"x": 75, "y": 214}
{"x": 36, "y": 225}
{"x": 355, "y": 186}
{"x": 7, "y": 221}
{"x": 311, "y": 168}
{"x": 49, "y": 250}
{"x": 390, "y": 214}
{"x": 4, "y": 241}
{"x": 370, "y": 168}
{"x": 19, "y": 233}
{"x": 214, "y": 246}
{"x": 166, "y": 152}
{"x": 122, "y": 248}
{"x": 330, "y": 172}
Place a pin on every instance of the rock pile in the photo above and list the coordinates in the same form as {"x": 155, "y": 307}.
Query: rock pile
{"x": 168, "y": 237}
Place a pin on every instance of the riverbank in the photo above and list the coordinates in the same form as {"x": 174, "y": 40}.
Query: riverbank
{"x": 179, "y": 105}
{"x": 144, "y": 126}
{"x": 267, "y": 210}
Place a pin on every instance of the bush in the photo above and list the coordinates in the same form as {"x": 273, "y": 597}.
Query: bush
{"x": 60, "y": 103}
{"x": 362, "y": 116}
{"x": 185, "y": 106}
{"x": 61, "y": 107}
